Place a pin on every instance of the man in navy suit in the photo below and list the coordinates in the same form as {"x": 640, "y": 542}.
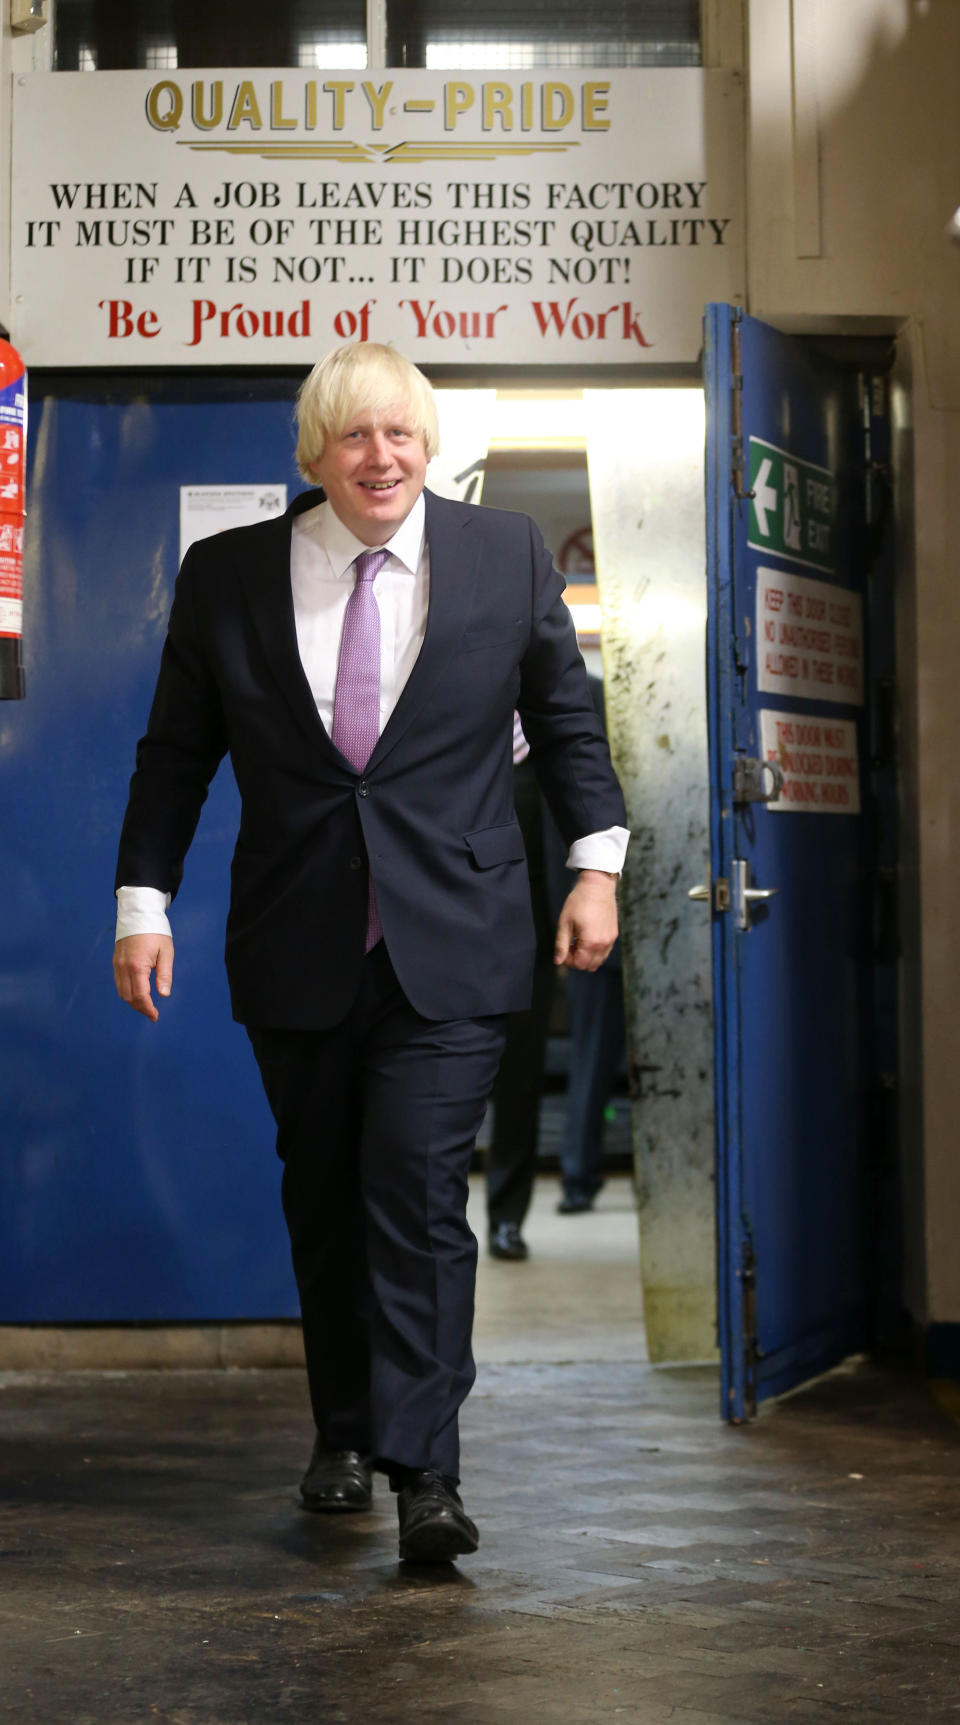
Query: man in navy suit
{"x": 361, "y": 658}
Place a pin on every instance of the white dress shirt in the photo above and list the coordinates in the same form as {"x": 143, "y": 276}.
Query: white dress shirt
{"x": 322, "y": 554}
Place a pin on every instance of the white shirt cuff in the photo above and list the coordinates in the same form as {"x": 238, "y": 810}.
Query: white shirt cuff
{"x": 606, "y": 850}
{"x": 142, "y": 910}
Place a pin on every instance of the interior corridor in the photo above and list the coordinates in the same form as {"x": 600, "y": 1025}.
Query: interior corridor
{"x": 639, "y": 1561}
{"x": 578, "y": 1297}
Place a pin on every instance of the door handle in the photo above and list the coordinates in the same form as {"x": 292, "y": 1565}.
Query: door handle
{"x": 743, "y": 895}
{"x": 736, "y": 894}
{"x": 719, "y": 898}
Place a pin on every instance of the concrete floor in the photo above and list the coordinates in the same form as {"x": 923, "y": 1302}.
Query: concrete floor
{"x": 640, "y": 1561}
{"x": 579, "y": 1295}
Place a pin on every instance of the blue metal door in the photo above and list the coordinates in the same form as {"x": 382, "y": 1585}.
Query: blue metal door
{"x": 138, "y": 1180}
{"x": 789, "y": 882}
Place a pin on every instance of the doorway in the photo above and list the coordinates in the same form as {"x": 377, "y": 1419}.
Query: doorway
{"x": 614, "y": 479}
{"x": 143, "y": 1154}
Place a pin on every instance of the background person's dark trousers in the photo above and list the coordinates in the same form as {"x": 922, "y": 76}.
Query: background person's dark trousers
{"x": 512, "y": 1156}
{"x": 376, "y": 1124}
{"x": 597, "y": 1039}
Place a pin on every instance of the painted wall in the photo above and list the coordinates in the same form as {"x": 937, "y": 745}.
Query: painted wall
{"x": 29, "y": 52}
{"x": 5, "y": 50}
{"x": 853, "y": 170}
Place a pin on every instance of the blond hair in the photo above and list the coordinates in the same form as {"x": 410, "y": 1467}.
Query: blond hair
{"x": 360, "y": 377}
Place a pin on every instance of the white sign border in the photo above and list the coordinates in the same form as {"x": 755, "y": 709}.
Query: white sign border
{"x": 643, "y": 134}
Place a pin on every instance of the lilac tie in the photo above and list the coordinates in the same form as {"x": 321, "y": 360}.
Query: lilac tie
{"x": 356, "y": 701}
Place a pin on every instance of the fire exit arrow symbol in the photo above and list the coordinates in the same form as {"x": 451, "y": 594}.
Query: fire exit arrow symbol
{"x": 793, "y": 506}
{"x": 766, "y": 496}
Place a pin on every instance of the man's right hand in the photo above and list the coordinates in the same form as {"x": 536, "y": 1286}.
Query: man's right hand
{"x": 134, "y": 958}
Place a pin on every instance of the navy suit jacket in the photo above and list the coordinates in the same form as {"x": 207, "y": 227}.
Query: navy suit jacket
{"x": 432, "y": 811}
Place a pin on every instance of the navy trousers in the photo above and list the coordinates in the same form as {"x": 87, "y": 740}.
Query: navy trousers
{"x": 377, "y": 1119}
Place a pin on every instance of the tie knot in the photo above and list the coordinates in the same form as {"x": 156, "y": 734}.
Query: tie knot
{"x": 369, "y": 564}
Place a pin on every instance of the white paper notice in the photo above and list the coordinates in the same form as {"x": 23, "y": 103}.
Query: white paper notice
{"x": 809, "y": 638}
{"x": 818, "y": 759}
{"x": 207, "y": 509}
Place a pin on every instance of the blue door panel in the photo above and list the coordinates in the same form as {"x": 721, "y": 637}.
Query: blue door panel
{"x": 793, "y": 992}
{"x": 138, "y": 1180}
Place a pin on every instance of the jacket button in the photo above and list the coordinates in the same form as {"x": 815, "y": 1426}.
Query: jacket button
{"x": 363, "y": 789}
{"x": 356, "y": 862}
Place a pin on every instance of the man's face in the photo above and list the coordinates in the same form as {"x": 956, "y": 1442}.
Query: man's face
{"x": 373, "y": 472}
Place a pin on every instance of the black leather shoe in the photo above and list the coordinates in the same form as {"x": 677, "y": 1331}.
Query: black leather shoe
{"x": 506, "y": 1241}
{"x": 337, "y": 1479}
{"x": 569, "y": 1206}
{"x": 434, "y": 1526}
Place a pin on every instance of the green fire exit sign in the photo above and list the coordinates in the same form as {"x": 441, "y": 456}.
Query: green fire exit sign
{"x": 793, "y": 506}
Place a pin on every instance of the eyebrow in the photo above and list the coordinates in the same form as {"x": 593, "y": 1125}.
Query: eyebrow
{"x": 361, "y": 421}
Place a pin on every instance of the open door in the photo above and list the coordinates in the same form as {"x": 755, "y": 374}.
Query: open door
{"x": 789, "y": 888}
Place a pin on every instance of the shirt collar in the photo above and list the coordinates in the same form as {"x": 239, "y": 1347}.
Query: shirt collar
{"x": 343, "y": 547}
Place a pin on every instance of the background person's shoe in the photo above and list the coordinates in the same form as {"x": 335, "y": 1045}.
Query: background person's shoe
{"x": 337, "y": 1479}
{"x": 434, "y": 1526}
{"x": 506, "y": 1241}
{"x": 571, "y": 1205}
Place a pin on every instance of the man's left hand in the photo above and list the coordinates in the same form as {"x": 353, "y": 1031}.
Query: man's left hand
{"x": 588, "y": 922}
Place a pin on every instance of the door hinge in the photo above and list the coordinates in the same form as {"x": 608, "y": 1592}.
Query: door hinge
{"x": 750, "y": 1350}
{"x": 736, "y": 414}
{"x": 885, "y": 722}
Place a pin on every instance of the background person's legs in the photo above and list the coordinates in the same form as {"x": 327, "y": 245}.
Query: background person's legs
{"x": 512, "y": 1154}
{"x": 597, "y": 1040}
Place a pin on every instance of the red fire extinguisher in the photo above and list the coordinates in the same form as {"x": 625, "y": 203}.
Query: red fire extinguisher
{"x": 13, "y": 460}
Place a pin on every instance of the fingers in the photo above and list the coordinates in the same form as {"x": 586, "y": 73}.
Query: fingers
{"x": 165, "y": 968}
{"x": 565, "y": 944}
{"x": 134, "y": 960}
{"x": 587, "y": 957}
{"x": 587, "y": 929}
{"x": 580, "y": 949}
{"x": 133, "y": 985}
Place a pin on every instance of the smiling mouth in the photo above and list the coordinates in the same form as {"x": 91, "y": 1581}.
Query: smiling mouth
{"x": 379, "y": 484}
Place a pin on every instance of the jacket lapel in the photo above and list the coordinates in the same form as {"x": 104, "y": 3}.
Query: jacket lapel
{"x": 454, "y": 546}
{"x": 266, "y": 586}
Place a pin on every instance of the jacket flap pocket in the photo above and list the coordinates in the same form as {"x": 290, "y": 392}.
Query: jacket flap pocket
{"x": 494, "y": 845}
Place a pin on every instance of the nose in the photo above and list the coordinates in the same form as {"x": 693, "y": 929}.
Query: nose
{"x": 378, "y": 449}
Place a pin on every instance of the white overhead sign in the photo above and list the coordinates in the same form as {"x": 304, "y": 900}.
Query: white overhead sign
{"x": 256, "y": 217}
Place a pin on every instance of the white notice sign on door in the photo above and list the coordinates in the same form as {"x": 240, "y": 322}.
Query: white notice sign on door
{"x": 208, "y": 509}
{"x": 809, "y": 638}
{"x": 818, "y": 759}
